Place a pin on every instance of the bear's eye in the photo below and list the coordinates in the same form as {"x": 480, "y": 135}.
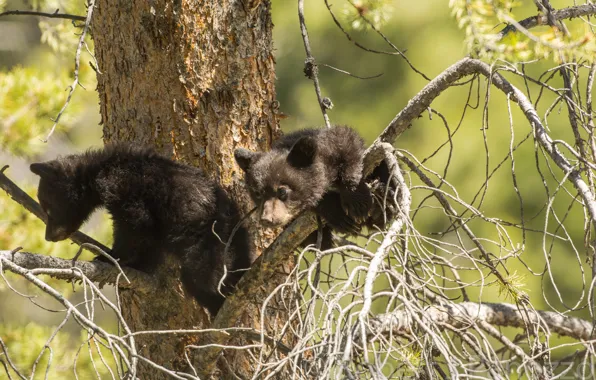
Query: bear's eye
{"x": 258, "y": 194}
{"x": 282, "y": 193}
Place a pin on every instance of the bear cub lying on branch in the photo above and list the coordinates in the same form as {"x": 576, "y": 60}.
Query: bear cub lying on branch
{"x": 158, "y": 206}
{"x": 319, "y": 169}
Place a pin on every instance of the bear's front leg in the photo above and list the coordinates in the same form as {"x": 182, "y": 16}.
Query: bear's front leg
{"x": 356, "y": 202}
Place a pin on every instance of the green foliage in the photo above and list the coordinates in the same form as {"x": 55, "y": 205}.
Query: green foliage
{"x": 60, "y": 36}
{"x": 32, "y": 95}
{"x": 513, "y": 288}
{"x": 26, "y": 342}
{"x": 366, "y": 14}
{"x": 483, "y": 21}
{"x": 65, "y": 6}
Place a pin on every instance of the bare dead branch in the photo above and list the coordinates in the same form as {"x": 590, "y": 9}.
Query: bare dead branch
{"x": 469, "y": 66}
{"x": 359, "y": 45}
{"x": 557, "y": 15}
{"x": 96, "y": 271}
{"x": 265, "y": 265}
{"x": 85, "y": 321}
{"x": 260, "y": 272}
{"x": 310, "y": 66}
{"x": 424, "y": 98}
{"x": 541, "y": 135}
{"x": 6, "y": 356}
{"x": 64, "y": 16}
{"x": 465, "y": 314}
{"x": 389, "y": 239}
{"x": 350, "y": 74}
{"x": 75, "y": 82}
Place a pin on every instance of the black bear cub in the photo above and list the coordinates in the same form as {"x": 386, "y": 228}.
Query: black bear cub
{"x": 319, "y": 169}
{"x": 157, "y": 206}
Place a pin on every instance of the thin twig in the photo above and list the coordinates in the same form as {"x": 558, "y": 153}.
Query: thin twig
{"x": 100, "y": 253}
{"x": 349, "y": 37}
{"x": 310, "y": 66}
{"x": 75, "y": 82}
{"x": 350, "y": 74}
{"x": 65, "y": 16}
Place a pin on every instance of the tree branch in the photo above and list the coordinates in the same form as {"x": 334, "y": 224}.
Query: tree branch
{"x": 264, "y": 267}
{"x": 65, "y": 16}
{"x": 260, "y": 272}
{"x": 542, "y": 19}
{"x": 310, "y": 66}
{"x": 75, "y": 82}
{"x": 26, "y": 201}
{"x": 388, "y": 241}
{"x": 464, "y": 67}
{"x": 424, "y": 98}
{"x": 62, "y": 269}
{"x": 466, "y": 314}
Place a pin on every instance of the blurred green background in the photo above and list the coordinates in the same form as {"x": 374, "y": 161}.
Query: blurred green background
{"x": 36, "y": 64}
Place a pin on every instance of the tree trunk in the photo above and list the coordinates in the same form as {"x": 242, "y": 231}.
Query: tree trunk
{"x": 196, "y": 80}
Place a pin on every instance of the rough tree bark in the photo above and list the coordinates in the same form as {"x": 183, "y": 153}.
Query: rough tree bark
{"x": 195, "y": 79}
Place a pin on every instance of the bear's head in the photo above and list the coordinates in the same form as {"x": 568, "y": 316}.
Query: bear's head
{"x": 284, "y": 183}
{"x": 64, "y": 199}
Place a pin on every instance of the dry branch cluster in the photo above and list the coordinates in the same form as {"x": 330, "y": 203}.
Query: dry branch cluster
{"x": 397, "y": 303}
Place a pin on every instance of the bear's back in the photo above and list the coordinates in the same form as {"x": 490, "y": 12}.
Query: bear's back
{"x": 137, "y": 184}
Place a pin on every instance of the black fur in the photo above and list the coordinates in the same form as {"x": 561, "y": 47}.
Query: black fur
{"x": 158, "y": 206}
{"x": 320, "y": 169}
{"x": 383, "y": 210}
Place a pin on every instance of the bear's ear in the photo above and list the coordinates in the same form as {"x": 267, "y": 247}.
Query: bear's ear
{"x": 48, "y": 170}
{"x": 244, "y": 157}
{"x": 303, "y": 152}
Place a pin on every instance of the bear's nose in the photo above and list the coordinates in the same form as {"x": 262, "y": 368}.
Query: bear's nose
{"x": 56, "y": 234}
{"x": 267, "y": 218}
{"x": 267, "y": 215}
